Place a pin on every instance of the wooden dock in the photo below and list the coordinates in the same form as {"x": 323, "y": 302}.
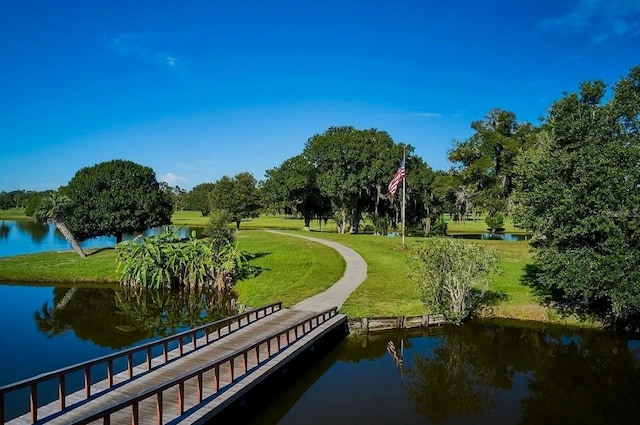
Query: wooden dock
{"x": 191, "y": 377}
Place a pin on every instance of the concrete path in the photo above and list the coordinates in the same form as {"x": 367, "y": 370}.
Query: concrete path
{"x": 354, "y": 274}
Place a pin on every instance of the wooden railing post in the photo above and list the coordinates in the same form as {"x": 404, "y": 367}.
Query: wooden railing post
{"x": 33, "y": 402}
{"x": 61, "y": 392}
{"x": 135, "y": 414}
{"x": 181, "y": 398}
{"x": 148, "y": 358}
{"x": 87, "y": 382}
{"x": 199, "y": 388}
{"x": 1, "y": 408}
{"x": 109, "y": 373}
{"x": 166, "y": 351}
{"x": 130, "y": 366}
{"x": 159, "y": 408}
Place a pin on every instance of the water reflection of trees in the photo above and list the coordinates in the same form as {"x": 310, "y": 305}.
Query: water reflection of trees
{"x": 447, "y": 383}
{"x": 4, "y": 230}
{"x": 37, "y": 231}
{"x": 120, "y": 317}
{"x": 581, "y": 378}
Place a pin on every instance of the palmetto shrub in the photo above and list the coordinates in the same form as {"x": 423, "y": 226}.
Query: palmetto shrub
{"x": 164, "y": 260}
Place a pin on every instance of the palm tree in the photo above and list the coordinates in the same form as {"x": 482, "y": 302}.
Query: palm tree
{"x": 52, "y": 209}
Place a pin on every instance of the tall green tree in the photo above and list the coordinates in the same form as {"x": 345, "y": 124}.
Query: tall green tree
{"x": 238, "y": 196}
{"x": 294, "y": 186}
{"x": 486, "y": 160}
{"x": 116, "y": 197}
{"x": 421, "y": 208}
{"x": 354, "y": 169}
{"x": 6, "y": 201}
{"x": 55, "y": 209}
{"x": 197, "y": 199}
{"x": 579, "y": 192}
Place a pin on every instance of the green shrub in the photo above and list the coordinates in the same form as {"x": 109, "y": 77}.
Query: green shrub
{"x": 165, "y": 261}
{"x": 439, "y": 228}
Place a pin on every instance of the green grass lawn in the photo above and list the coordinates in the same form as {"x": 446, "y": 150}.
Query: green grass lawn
{"x": 63, "y": 266}
{"x": 294, "y": 269}
{"x": 13, "y": 214}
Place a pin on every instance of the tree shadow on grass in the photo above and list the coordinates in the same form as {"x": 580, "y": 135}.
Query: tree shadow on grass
{"x": 255, "y": 255}
{"x": 485, "y": 301}
{"x": 531, "y": 278}
{"x": 98, "y": 250}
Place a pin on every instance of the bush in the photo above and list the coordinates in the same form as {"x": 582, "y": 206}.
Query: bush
{"x": 218, "y": 228}
{"x": 452, "y": 276}
{"x": 162, "y": 261}
{"x": 439, "y": 228}
{"x": 495, "y": 222}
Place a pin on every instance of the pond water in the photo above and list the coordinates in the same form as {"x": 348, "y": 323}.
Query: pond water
{"x": 43, "y": 328}
{"x": 481, "y": 373}
{"x": 27, "y": 237}
{"x": 511, "y": 237}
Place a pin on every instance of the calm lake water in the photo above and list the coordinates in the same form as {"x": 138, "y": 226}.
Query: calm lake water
{"x": 510, "y": 237}
{"x": 43, "y": 328}
{"x": 479, "y": 373}
{"x": 26, "y": 236}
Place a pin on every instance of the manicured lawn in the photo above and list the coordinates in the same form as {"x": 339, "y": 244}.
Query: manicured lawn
{"x": 65, "y": 266}
{"x": 12, "y": 214}
{"x": 189, "y": 218}
{"x": 388, "y": 291}
{"x": 294, "y": 269}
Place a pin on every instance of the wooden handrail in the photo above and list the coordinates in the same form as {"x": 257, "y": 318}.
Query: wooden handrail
{"x": 157, "y": 391}
{"x": 60, "y": 374}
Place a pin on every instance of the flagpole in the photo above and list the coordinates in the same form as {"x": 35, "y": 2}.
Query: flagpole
{"x": 404, "y": 187}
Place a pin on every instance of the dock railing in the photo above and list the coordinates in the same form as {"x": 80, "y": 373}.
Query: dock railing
{"x": 217, "y": 329}
{"x": 290, "y": 335}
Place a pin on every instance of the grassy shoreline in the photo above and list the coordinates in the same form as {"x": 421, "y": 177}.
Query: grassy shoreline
{"x": 294, "y": 269}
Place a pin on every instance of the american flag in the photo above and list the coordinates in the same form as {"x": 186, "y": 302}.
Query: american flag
{"x": 397, "y": 178}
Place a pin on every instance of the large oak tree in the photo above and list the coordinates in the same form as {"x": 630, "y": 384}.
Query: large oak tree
{"x": 579, "y": 192}
{"x": 116, "y": 197}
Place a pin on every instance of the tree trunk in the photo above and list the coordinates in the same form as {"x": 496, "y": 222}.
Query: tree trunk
{"x": 118, "y": 237}
{"x": 355, "y": 221}
{"x": 69, "y": 237}
{"x": 307, "y": 223}
{"x": 65, "y": 300}
{"x": 238, "y": 225}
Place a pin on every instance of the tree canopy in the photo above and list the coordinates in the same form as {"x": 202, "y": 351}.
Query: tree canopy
{"x": 116, "y": 197}
{"x": 579, "y": 192}
{"x": 293, "y": 186}
{"x": 238, "y": 196}
{"x": 197, "y": 199}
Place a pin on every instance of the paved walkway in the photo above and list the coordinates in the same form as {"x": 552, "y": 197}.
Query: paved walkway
{"x": 355, "y": 273}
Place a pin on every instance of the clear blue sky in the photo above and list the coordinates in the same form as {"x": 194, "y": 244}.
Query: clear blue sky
{"x": 199, "y": 89}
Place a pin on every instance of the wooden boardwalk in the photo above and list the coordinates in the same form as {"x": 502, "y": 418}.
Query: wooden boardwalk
{"x": 209, "y": 368}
